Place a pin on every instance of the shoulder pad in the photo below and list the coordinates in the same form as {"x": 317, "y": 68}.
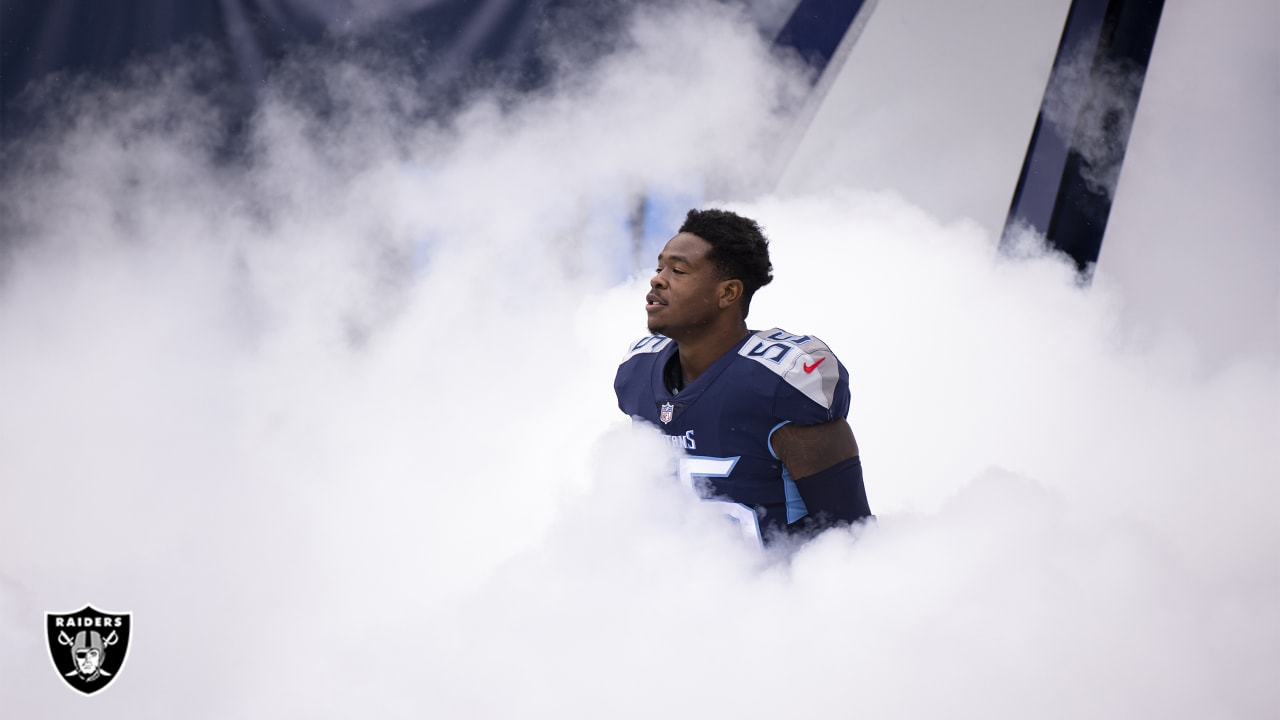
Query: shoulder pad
{"x": 650, "y": 344}
{"x": 803, "y": 361}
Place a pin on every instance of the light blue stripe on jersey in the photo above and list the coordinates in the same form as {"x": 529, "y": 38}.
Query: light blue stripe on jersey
{"x": 769, "y": 440}
{"x": 796, "y": 508}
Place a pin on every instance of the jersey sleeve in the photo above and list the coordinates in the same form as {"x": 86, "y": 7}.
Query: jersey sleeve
{"x": 813, "y": 385}
{"x": 815, "y": 390}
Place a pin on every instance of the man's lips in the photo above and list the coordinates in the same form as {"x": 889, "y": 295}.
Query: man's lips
{"x": 653, "y": 301}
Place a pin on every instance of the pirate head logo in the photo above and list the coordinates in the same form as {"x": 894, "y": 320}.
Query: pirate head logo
{"x": 88, "y": 646}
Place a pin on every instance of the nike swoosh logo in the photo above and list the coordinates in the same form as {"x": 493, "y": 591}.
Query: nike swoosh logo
{"x": 810, "y": 368}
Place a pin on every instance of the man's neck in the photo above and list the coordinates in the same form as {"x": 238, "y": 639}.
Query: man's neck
{"x": 697, "y": 354}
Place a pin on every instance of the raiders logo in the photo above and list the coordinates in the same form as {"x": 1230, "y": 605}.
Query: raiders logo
{"x": 88, "y": 647}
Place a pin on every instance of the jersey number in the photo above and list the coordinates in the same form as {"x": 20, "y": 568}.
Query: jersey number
{"x": 693, "y": 467}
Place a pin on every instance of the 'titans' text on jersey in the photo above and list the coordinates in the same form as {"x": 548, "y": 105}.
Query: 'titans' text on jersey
{"x": 767, "y": 380}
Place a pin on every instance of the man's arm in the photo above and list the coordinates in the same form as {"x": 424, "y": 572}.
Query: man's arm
{"x": 823, "y": 461}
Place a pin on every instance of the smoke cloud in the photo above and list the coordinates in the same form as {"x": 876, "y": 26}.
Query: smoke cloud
{"x": 1089, "y": 109}
{"x": 334, "y": 420}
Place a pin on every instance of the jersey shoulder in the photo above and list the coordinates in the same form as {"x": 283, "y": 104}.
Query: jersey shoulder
{"x": 646, "y": 345}
{"x": 634, "y": 384}
{"x": 803, "y": 362}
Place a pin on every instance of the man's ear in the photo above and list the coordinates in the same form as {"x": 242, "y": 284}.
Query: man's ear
{"x": 730, "y": 292}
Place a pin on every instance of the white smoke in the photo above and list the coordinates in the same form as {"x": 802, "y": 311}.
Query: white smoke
{"x": 329, "y": 484}
{"x": 1089, "y": 108}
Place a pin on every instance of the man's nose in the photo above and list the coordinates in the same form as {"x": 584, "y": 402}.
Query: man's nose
{"x": 657, "y": 281}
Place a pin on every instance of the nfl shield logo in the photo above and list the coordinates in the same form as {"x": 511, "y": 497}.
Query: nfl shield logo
{"x": 667, "y": 410}
{"x": 88, "y": 646}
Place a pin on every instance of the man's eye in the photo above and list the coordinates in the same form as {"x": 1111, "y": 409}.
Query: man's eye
{"x": 677, "y": 271}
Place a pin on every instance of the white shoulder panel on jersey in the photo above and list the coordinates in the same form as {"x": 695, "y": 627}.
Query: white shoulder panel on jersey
{"x": 650, "y": 344}
{"x": 804, "y": 361}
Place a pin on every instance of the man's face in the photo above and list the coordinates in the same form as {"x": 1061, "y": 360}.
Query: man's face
{"x": 683, "y": 293}
{"x": 87, "y": 660}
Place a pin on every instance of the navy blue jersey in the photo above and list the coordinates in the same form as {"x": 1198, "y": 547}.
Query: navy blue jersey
{"x": 725, "y": 418}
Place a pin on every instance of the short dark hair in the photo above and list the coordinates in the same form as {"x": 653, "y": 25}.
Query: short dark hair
{"x": 739, "y": 249}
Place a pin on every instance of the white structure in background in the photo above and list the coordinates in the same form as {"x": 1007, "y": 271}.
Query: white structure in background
{"x": 951, "y": 92}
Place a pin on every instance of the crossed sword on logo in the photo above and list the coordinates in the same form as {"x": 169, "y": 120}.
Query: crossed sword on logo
{"x": 108, "y": 641}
